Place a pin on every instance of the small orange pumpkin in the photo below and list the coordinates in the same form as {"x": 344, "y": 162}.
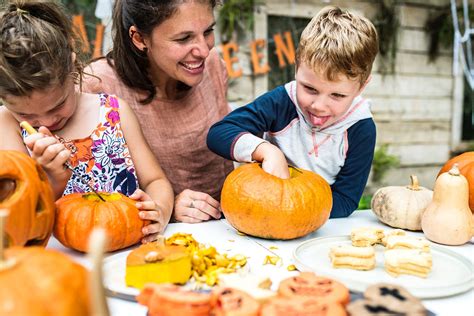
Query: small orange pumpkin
{"x": 260, "y": 204}
{"x": 78, "y": 214}
{"x": 465, "y": 163}
{"x": 25, "y": 191}
{"x": 38, "y": 282}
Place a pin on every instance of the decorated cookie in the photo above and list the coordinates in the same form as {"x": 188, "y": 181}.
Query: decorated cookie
{"x": 226, "y": 301}
{"x": 171, "y": 300}
{"x": 308, "y": 284}
{"x": 387, "y": 299}
{"x": 300, "y": 305}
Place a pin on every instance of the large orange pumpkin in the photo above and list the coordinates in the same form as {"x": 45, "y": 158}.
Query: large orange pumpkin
{"x": 39, "y": 282}
{"x": 78, "y": 214}
{"x": 465, "y": 163}
{"x": 25, "y": 191}
{"x": 262, "y": 205}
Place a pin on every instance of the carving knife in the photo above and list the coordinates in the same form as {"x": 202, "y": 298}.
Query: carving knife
{"x": 31, "y": 130}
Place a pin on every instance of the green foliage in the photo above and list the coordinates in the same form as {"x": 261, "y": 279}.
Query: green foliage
{"x": 236, "y": 16}
{"x": 382, "y": 163}
{"x": 387, "y": 23}
{"x": 364, "y": 203}
{"x": 440, "y": 29}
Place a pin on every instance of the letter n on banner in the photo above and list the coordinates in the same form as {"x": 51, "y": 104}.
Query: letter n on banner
{"x": 80, "y": 29}
{"x": 287, "y": 50}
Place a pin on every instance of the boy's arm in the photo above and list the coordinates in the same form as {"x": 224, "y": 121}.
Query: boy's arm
{"x": 238, "y": 134}
{"x": 352, "y": 179}
{"x": 151, "y": 177}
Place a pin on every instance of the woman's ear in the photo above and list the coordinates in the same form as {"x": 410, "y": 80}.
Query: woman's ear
{"x": 137, "y": 38}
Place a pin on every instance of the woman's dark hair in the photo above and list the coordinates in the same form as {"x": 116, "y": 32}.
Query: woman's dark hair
{"x": 36, "y": 46}
{"x": 130, "y": 63}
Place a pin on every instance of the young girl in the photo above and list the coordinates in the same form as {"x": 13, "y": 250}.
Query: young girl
{"x": 97, "y": 134}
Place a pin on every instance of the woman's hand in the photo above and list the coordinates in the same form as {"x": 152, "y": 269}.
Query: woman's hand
{"x": 194, "y": 207}
{"x": 149, "y": 211}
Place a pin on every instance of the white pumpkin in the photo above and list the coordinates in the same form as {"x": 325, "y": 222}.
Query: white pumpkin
{"x": 402, "y": 206}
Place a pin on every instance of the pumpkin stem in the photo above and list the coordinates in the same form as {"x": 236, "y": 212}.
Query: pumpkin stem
{"x": 415, "y": 185}
{"x": 454, "y": 171}
{"x": 97, "y": 241}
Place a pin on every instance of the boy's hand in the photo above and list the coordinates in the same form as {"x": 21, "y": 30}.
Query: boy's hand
{"x": 48, "y": 152}
{"x": 149, "y": 212}
{"x": 273, "y": 160}
{"x": 194, "y": 207}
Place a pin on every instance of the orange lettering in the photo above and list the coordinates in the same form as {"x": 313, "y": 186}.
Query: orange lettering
{"x": 256, "y": 57}
{"x": 287, "y": 50}
{"x": 230, "y": 60}
{"x": 99, "y": 38}
{"x": 80, "y": 29}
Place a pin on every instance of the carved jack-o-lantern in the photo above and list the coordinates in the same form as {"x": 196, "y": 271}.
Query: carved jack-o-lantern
{"x": 25, "y": 191}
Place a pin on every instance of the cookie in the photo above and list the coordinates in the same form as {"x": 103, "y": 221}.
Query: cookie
{"x": 408, "y": 261}
{"x": 407, "y": 242}
{"x": 394, "y": 232}
{"x": 366, "y": 236}
{"x": 170, "y": 300}
{"x": 350, "y": 257}
{"x": 387, "y": 299}
{"x": 301, "y": 306}
{"x": 226, "y": 301}
{"x": 307, "y": 284}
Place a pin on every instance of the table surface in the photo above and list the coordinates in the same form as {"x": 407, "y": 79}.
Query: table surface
{"x": 225, "y": 238}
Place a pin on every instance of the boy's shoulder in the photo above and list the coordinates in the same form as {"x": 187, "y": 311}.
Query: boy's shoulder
{"x": 365, "y": 128}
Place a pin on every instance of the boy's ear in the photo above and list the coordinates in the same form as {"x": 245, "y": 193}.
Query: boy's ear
{"x": 365, "y": 84}
{"x": 137, "y": 38}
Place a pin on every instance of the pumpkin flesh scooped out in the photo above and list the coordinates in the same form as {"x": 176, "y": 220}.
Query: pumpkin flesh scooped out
{"x": 25, "y": 191}
{"x": 78, "y": 214}
{"x": 262, "y": 205}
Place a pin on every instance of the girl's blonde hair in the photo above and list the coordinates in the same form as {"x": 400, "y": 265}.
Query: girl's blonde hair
{"x": 337, "y": 42}
{"x": 36, "y": 47}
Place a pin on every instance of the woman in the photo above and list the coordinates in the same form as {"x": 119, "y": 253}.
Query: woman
{"x": 164, "y": 65}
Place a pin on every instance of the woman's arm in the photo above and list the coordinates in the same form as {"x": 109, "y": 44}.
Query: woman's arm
{"x": 159, "y": 197}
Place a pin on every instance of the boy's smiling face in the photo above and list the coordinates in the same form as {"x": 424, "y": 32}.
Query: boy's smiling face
{"x": 322, "y": 101}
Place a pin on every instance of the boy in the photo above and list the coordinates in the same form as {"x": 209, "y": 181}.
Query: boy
{"x": 318, "y": 122}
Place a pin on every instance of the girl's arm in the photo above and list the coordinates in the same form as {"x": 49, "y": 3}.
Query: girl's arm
{"x": 48, "y": 152}
{"x": 157, "y": 196}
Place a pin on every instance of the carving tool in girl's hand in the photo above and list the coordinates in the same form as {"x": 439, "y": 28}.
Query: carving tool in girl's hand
{"x": 31, "y": 130}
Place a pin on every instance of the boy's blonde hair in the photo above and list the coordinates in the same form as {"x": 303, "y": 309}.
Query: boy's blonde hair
{"x": 337, "y": 42}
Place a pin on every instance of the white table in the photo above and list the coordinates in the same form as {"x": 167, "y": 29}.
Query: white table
{"x": 221, "y": 235}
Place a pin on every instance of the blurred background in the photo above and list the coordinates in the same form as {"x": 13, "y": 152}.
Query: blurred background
{"x": 422, "y": 88}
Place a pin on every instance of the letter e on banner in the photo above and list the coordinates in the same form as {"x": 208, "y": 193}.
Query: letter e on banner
{"x": 256, "y": 57}
{"x": 229, "y": 60}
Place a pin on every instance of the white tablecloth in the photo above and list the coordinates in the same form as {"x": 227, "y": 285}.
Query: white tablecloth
{"x": 221, "y": 235}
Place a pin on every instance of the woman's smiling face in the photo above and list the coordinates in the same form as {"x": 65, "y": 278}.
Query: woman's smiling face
{"x": 178, "y": 47}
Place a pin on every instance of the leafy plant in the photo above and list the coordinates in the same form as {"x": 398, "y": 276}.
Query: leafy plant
{"x": 382, "y": 163}
{"x": 364, "y": 203}
{"x": 387, "y": 23}
{"x": 236, "y": 16}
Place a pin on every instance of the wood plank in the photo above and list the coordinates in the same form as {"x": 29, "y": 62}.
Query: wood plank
{"x": 403, "y": 132}
{"x": 401, "y": 176}
{"x": 412, "y": 109}
{"x": 409, "y": 86}
{"x": 420, "y": 154}
{"x": 415, "y": 40}
{"x": 412, "y": 63}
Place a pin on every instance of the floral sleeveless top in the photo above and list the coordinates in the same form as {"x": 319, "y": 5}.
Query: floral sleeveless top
{"x": 103, "y": 158}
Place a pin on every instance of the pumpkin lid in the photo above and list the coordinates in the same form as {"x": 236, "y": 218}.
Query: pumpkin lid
{"x": 155, "y": 253}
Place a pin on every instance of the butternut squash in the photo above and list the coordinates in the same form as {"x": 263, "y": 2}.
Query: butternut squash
{"x": 448, "y": 219}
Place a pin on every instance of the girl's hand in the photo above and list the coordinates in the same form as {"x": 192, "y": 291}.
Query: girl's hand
{"x": 194, "y": 207}
{"x": 49, "y": 153}
{"x": 151, "y": 213}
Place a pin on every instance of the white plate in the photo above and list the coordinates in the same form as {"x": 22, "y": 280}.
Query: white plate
{"x": 114, "y": 277}
{"x": 451, "y": 273}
